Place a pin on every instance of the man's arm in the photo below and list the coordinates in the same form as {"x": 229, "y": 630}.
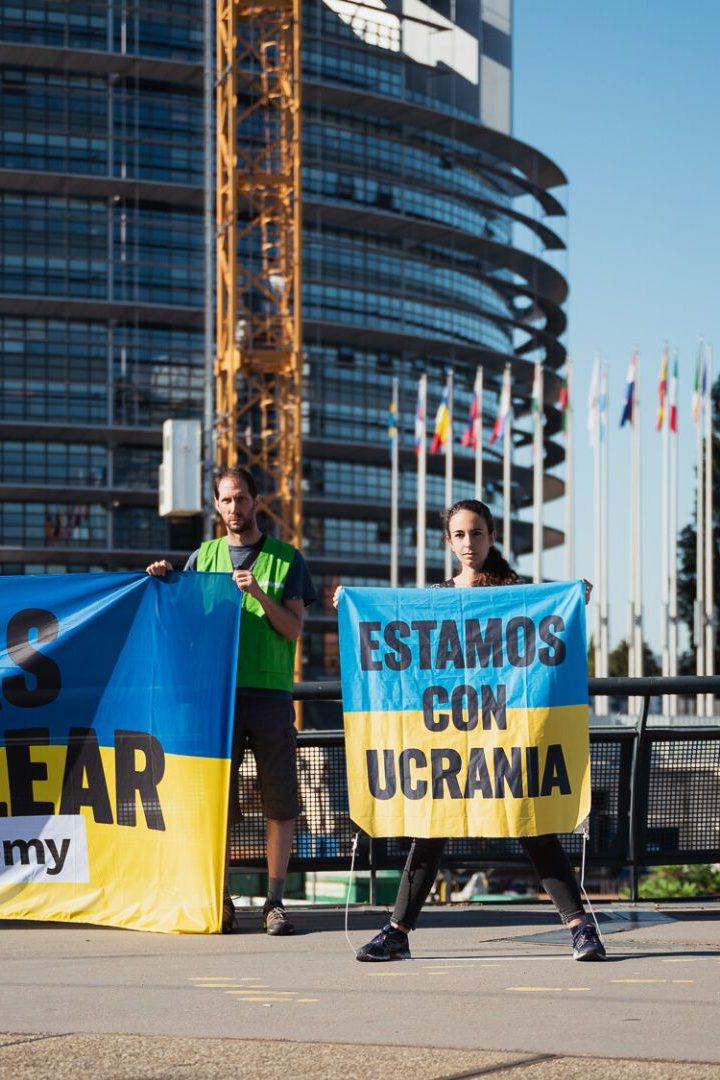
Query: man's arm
{"x": 161, "y": 567}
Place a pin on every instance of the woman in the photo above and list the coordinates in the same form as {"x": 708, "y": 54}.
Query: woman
{"x": 470, "y": 532}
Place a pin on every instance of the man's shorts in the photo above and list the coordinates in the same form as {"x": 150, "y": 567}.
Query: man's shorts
{"x": 265, "y": 722}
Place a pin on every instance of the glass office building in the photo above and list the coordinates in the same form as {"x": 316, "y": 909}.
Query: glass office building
{"x": 101, "y": 274}
{"x": 424, "y": 248}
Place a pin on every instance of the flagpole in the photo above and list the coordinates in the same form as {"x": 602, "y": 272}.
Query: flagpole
{"x": 569, "y": 477}
{"x": 708, "y": 566}
{"x": 507, "y": 469}
{"x": 635, "y": 655}
{"x": 421, "y": 451}
{"x": 479, "y": 433}
{"x": 594, "y": 434}
{"x": 664, "y": 426}
{"x": 538, "y": 474}
{"x": 449, "y": 462}
{"x": 601, "y": 703}
{"x": 673, "y": 528}
{"x": 394, "y": 483}
{"x": 700, "y": 533}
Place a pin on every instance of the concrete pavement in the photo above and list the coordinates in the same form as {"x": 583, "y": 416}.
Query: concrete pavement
{"x": 490, "y": 991}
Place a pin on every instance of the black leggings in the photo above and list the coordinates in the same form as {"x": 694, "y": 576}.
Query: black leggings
{"x": 546, "y": 853}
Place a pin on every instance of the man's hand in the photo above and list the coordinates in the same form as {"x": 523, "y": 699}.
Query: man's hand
{"x": 158, "y": 569}
{"x": 245, "y": 580}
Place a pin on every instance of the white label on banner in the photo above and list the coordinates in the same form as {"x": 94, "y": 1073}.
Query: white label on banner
{"x": 46, "y": 849}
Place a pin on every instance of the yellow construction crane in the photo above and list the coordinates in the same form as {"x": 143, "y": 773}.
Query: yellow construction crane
{"x": 258, "y": 366}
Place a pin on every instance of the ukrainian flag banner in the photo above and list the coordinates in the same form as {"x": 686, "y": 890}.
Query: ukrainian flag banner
{"x": 116, "y": 705}
{"x": 466, "y": 710}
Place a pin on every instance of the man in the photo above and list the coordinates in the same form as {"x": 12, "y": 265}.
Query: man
{"x": 276, "y": 587}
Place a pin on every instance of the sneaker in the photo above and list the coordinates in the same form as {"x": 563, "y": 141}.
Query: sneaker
{"x": 275, "y": 920}
{"x": 389, "y": 944}
{"x": 586, "y": 943}
{"x": 228, "y": 914}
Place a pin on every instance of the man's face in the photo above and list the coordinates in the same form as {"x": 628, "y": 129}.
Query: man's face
{"x": 235, "y": 504}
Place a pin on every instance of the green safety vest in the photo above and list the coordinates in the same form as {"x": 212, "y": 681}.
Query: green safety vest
{"x": 266, "y": 660}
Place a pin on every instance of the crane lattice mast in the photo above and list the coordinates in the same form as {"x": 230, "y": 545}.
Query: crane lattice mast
{"x": 258, "y": 368}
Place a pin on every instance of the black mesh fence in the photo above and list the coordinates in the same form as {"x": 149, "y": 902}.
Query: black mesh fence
{"x": 679, "y": 787}
{"x": 676, "y": 806}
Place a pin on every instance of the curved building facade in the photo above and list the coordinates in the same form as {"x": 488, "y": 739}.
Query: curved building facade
{"x": 425, "y": 229}
{"x": 101, "y": 275}
{"x": 425, "y": 224}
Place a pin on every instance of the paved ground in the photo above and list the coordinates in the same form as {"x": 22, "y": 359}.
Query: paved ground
{"x": 490, "y": 992}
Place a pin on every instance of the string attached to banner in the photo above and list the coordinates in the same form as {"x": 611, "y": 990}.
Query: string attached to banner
{"x": 351, "y": 875}
{"x": 585, "y": 833}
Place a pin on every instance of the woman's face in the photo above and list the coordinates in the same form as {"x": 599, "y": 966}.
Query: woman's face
{"x": 469, "y": 538}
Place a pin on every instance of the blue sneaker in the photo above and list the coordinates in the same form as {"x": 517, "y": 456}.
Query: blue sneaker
{"x": 586, "y": 943}
{"x": 389, "y": 944}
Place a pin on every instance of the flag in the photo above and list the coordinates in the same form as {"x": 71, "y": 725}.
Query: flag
{"x": 662, "y": 391}
{"x": 672, "y": 397}
{"x": 442, "y": 422}
{"x": 535, "y": 402}
{"x": 699, "y": 387}
{"x": 547, "y": 702}
{"x": 563, "y": 404}
{"x": 392, "y": 422}
{"x": 419, "y": 421}
{"x": 602, "y": 403}
{"x": 593, "y": 401}
{"x": 629, "y": 406}
{"x": 469, "y": 435}
{"x": 504, "y": 408}
{"x": 119, "y": 843}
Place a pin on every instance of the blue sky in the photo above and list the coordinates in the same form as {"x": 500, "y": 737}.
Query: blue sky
{"x": 623, "y": 95}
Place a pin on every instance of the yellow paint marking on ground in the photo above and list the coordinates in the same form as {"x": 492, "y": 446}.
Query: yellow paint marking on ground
{"x": 447, "y": 967}
{"x": 686, "y": 982}
{"x": 391, "y": 974}
{"x": 535, "y": 989}
{"x": 633, "y": 981}
{"x": 248, "y": 989}
{"x": 215, "y": 978}
{"x": 214, "y": 986}
{"x": 306, "y": 1001}
{"x": 678, "y": 959}
{"x": 254, "y": 989}
{"x": 276, "y": 998}
{"x": 263, "y": 1000}
{"x": 578, "y": 989}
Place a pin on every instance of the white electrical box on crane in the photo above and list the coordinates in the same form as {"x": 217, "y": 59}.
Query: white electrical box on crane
{"x": 180, "y": 474}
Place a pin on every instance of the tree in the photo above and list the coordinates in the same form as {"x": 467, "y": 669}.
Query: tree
{"x": 618, "y": 661}
{"x": 687, "y": 547}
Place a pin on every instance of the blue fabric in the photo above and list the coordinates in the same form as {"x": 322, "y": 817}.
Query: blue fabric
{"x": 131, "y": 652}
{"x": 517, "y": 610}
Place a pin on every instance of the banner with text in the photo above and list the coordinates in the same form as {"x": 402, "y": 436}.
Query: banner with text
{"x": 466, "y": 710}
{"x": 116, "y": 706}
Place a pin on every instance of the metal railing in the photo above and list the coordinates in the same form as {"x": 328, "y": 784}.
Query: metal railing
{"x": 656, "y": 795}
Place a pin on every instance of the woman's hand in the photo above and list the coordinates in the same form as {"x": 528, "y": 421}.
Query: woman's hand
{"x": 336, "y": 596}
{"x": 588, "y": 590}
